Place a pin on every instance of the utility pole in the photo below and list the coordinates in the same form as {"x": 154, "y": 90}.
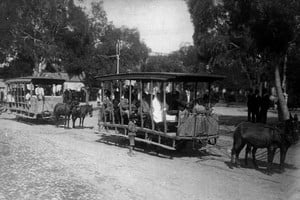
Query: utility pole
{"x": 118, "y": 52}
{"x": 118, "y": 49}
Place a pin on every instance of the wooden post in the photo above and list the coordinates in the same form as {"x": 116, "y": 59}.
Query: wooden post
{"x": 141, "y": 103}
{"x": 120, "y": 107}
{"x": 130, "y": 91}
{"x": 151, "y": 100}
{"x": 164, "y": 108}
{"x": 209, "y": 96}
{"x": 195, "y": 93}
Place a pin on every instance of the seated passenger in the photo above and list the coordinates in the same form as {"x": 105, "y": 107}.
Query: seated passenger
{"x": 108, "y": 107}
{"x": 27, "y": 98}
{"x": 200, "y": 109}
{"x": 157, "y": 109}
{"x": 144, "y": 111}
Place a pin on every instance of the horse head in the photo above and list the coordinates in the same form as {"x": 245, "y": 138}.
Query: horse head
{"x": 291, "y": 129}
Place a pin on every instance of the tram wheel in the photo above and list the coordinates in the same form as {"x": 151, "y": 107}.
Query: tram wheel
{"x": 212, "y": 141}
{"x": 180, "y": 146}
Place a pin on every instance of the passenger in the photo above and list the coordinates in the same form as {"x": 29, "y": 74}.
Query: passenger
{"x": 39, "y": 91}
{"x": 124, "y": 108}
{"x": 144, "y": 110}
{"x": 182, "y": 115}
{"x": 182, "y": 96}
{"x": 27, "y": 99}
{"x": 108, "y": 106}
{"x": 157, "y": 108}
{"x": 198, "y": 108}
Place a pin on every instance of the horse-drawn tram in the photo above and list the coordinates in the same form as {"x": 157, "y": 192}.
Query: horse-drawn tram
{"x": 167, "y": 109}
{"x": 34, "y": 97}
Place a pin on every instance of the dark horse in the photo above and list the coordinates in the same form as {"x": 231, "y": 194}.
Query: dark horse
{"x": 80, "y": 112}
{"x": 257, "y": 135}
{"x": 63, "y": 109}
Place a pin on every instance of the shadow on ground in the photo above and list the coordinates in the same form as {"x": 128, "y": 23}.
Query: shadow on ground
{"x": 262, "y": 166}
{"x": 188, "y": 151}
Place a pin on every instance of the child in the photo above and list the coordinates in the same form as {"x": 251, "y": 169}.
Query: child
{"x": 131, "y": 134}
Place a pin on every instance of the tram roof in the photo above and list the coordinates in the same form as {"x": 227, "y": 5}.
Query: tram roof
{"x": 163, "y": 76}
{"x": 36, "y": 80}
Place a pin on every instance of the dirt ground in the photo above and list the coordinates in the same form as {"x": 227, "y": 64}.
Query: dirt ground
{"x": 41, "y": 161}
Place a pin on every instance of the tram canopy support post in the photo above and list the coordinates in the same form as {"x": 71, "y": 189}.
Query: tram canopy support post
{"x": 141, "y": 103}
{"x": 164, "y": 107}
{"x": 195, "y": 93}
{"x": 120, "y": 106}
{"x": 151, "y": 104}
{"x": 209, "y": 95}
{"x": 130, "y": 91}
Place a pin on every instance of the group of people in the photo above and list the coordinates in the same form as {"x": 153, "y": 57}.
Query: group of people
{"x": 258, "y": 106}
{"x": 178, "y": 103}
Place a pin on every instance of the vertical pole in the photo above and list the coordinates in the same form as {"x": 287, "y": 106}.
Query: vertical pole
{"x": 103, "y": 105}
{"x": 195, "y": 93}
{"x": 164, "y": 107}
{"x": 120, "y": 106}
{"x": 102, "y": 112}
{"x": 118, "y": 56}
{"x": 141, "y": 103}
{"x": 112, "y": 114}
{"x": 151, "y": 100}
{"x": 209, "y": 94}
{"x": 130, "y": 91}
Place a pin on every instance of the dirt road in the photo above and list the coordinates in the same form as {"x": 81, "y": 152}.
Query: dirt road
{"x": 41, "y": 161}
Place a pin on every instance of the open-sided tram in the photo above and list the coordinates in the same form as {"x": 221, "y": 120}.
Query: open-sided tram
{"x": 168, "y": 109}
{"x": 34, "y": 97}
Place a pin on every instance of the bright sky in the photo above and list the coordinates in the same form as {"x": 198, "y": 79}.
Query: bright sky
{"x": 163, "y": 24}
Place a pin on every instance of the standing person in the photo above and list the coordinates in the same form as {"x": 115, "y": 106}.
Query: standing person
{"x": 250, "y": 102}
{"x": 256, "y": 106}
{"x": 265, "y": 105}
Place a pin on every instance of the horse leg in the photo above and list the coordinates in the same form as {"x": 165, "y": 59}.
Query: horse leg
{"x": 271, "y": 152}
{"x": 65, "y": 121}
{"x": 253, "y": 157}
{"x": 69, "y": 121}
{"x": 282, "y": 157}
{"x": 238, "y": 145}
{"x": 248, "y": 149}
{"x": 82, "y": 122}
{"x": 56, "y": 120}
{"x": 237, "y": 153}
{"x": 73, "y": 120}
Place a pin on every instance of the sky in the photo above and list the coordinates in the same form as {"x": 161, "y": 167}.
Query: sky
{"x": 164, "y": 25}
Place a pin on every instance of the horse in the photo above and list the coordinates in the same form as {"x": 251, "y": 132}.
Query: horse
{"x": 63, "y": 109}
{"x": 80, "y": 112}
{"x": 257, "y": 135}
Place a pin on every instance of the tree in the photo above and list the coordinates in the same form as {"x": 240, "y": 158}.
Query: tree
{"x": 273, "y": 27}
{"x": 43, "y": 30}
{"x": 257, "y": 34}
{"x": 164, "y": 63}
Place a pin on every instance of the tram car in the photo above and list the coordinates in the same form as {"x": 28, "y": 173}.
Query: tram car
{"x": 167, "y": 109}
{"x": 34, "y": 97}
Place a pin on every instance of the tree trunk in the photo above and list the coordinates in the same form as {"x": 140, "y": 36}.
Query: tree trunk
{"x": 36, "y": 65}
{"x": 284, "y": 73}
{"x": 283, "y": 113}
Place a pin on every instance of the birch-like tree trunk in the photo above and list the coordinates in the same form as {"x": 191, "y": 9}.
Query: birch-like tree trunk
{"x": 283, "y": 113}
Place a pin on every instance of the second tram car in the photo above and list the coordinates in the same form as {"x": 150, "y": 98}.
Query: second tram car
{"x": 34, "y": 97}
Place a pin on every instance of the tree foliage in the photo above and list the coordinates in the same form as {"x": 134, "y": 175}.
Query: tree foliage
{"x": 257, "y": 34}
{"x": 63, "y": 37}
